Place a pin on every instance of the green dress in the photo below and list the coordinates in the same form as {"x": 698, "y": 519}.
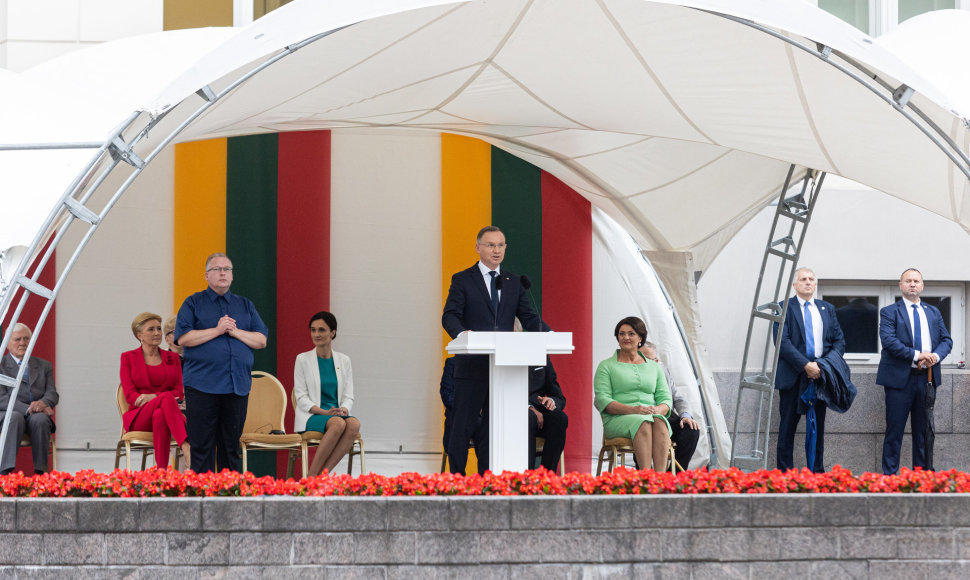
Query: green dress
{"x": 328, "y": 394}
{"x": 629, "y": 384}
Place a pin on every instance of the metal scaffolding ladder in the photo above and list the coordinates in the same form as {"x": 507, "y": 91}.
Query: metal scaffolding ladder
{"x": 749, "y": 449}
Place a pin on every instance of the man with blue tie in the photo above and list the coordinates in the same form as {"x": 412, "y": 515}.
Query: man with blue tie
{"x": 811, "y": 331}
{"x": 914, "y": 339}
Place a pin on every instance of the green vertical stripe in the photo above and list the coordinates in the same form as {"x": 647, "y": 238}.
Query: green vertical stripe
{"x": 251, "y": 229}
{"x": 517, "y": 209}
{"x": 251, "y": 244}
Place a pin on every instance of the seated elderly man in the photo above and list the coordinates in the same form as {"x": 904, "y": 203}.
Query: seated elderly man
{"x": 34, "y": 406}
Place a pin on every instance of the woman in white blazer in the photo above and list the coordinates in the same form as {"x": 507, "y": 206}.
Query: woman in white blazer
{"x": 323, "y": 387}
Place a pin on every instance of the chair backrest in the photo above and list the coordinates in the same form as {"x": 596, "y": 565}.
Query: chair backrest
{"x": 267, "y": 403}
{"x": 121, "y": 401}
{"x": 122, "y": 406}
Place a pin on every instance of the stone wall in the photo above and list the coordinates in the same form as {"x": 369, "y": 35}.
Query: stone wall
{"x": 854, "y": 439}
{"x": 729, "y": 536}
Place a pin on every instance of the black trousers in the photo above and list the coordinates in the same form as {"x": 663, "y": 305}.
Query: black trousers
{"x": 469, "y": 422}
{"x": 686, "y": 440}
{"x": 787, "y": 425}
{"x": 553, "y": 430}
{"x": 214, "y": 423}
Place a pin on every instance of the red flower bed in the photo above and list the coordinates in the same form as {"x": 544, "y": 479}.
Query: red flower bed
{"x": 170, "y": 483}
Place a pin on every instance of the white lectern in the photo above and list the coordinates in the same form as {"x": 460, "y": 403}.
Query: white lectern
{"x": 510, "y": 355}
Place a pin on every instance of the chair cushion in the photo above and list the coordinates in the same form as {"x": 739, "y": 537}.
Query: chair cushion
{"x": 618, "y": 442}
{"x": 138, "y": 437}
{"x": 312, "y": 436}
{"x": 267, "y": 439}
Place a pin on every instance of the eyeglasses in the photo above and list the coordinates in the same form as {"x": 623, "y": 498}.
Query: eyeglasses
{"x": 226, "y": 269}
{"x": 495, "y": 246}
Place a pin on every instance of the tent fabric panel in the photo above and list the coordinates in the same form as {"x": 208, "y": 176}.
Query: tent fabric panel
{"x": 711, "y": 197}
{"x": 579, "y": 143}
{"x": 650, "y": 163}
{"x": 251, "y": 200}
{"x": 567, "y": 306}
{"x": 584, "y": 42}
{"x": 741, "y": 102}
{"x": 881, "y": 135}
{"x": 477, "y": 103}
{"x": 517, "y": 209}
{"x": 385, "y": 262}
{"x": 199, "y": 227}
{"x": 302, "y": 245}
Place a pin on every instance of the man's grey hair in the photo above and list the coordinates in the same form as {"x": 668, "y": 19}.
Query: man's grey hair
{"x": 805, "y": 269}
{"x": 648, "y": 344}
{"x": 22, "y": 326}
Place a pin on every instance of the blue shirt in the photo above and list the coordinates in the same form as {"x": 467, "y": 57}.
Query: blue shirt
{"x": 223, "y": 364}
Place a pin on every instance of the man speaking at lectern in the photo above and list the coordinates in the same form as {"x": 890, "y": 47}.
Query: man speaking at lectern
{"x": 482, "y": 298}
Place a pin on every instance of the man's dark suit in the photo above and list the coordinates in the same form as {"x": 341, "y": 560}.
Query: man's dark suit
{"x": 792, "y": 359}
{"x": 543, "y": 382}
{"x": 38, "y": 425}
{"x": 905, "y": 385}
{"x": 469, "y": 307}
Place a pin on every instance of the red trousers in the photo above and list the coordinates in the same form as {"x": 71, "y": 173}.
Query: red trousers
{"x": 163, "y": 418}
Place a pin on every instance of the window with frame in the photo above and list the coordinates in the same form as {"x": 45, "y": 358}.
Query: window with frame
{"x": 857, "y": 306}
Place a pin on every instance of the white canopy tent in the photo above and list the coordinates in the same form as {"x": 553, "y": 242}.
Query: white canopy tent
{"x": 677, "y": 119}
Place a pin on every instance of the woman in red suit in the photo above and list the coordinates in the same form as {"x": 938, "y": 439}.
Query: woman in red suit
{"x": 151, "y": 379}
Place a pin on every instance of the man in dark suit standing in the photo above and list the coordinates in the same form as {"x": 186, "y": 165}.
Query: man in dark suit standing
{"x": 914, "y": 339}
{"x": 810, "y": 332}
{"x": 482, "y": 298}
{"x": 34, "y": 407}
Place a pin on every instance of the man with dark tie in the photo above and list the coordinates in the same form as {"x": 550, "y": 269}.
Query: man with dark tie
{"x": 914, "y": 340}
{"x": 34, "y": 408}
{"x": 811, "y": 331}
{"x": 483, "y": 298}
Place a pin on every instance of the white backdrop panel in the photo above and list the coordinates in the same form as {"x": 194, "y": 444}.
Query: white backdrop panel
{"x": 385, "y": 280}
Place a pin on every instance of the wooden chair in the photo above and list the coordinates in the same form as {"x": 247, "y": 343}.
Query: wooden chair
{"x": 134, "y": 440}
{"x": 620, "y": 446}
{"x": 312, "y": 439}
{"x": 264, "y": 414}
{"x": 26, "y": 442}
{"x": 540, "y": 444}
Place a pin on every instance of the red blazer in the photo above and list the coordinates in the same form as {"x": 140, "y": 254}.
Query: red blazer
{"x": 134, "y": 379}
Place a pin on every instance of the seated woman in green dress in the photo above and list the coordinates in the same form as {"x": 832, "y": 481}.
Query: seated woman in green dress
{"x": 632, "y": 396}
{"x": 323, "y": 387}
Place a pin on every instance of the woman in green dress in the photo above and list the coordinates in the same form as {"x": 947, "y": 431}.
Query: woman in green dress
{"x": 633, "y": 398}
{"x": 323, "y": 387}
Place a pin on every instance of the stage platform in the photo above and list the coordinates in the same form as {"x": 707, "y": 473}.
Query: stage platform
{"x": 701, "y": 536}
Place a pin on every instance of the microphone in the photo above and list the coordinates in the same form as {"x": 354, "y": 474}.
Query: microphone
{"x": 498, "y": 287}
{"x": 527, "y": 284}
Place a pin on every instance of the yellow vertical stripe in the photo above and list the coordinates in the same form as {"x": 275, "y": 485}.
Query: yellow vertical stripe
{"x": 179, "y": 14}
{"x": 200, "y": 212}
{"x": 466, "y": 207}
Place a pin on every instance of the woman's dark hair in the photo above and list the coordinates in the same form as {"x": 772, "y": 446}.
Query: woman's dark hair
{"x": 636, "y": 324}
{"x": 327, "y": 318}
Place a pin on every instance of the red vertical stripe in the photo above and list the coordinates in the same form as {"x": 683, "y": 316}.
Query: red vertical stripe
{"x": 45, "y": 346}
{"x": 567, "y": 305}
{"x": 303, "y": 246}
